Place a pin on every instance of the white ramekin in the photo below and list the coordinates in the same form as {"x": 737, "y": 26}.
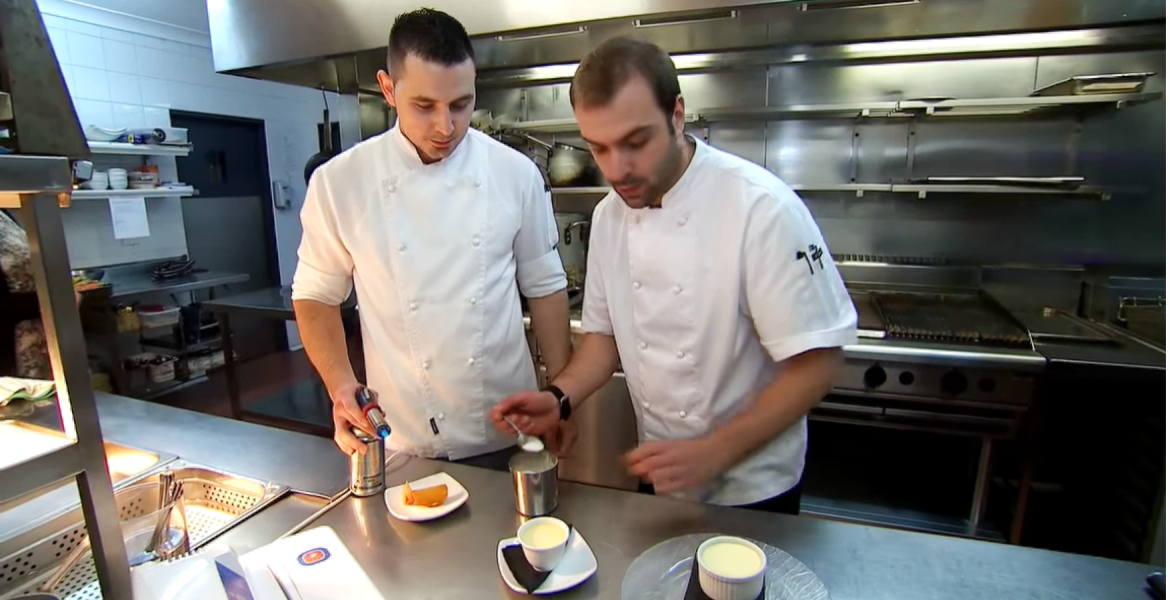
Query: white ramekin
{"x": 719, "y": 587}
{"x": 544, "y": 559}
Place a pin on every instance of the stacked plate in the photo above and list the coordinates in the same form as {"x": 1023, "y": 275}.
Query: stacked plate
{"x": 119, "y": 179}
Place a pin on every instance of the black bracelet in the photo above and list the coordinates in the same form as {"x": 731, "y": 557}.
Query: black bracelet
{"x": 562, "y": 400}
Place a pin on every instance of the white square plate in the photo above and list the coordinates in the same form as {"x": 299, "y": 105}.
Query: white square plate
{"x": 456, "y": 496}
{"x": 577, "y": 565}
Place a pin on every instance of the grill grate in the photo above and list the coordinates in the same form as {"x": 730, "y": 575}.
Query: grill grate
{"x": 947, "y": 317}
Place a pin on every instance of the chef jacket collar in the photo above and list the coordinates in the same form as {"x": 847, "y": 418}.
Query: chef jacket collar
{"x": 677, "y": 192}
{"x": 411, "y": 153}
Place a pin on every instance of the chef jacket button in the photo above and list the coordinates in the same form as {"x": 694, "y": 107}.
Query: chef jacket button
{"x": 682, "y": 414}
{"x": 642, "y": 345}
{"x": 426, "y": 364}
{"x": 442, "y": 416}
{"x": 637, "y": 285}
{"x": 401, "y": 247}
{"x": 473, "y": 300}
{"x": 678, "y": 289}
{"x": 471, "y": 361}
{"x": 646, "y": 405}
{"x": 475, "y": 241}
{"x": 414, "y": 306}
{"x": 390, "y": 187}
{"x": 478, "y": 183}
{"x": 680, "y": 354}
{"x": 683, "y": 221}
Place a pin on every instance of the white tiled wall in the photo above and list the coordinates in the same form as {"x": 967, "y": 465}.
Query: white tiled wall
{"x": 119, "y": 77}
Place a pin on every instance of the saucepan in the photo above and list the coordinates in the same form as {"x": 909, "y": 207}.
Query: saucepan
{"x": 572, "y": 166}
{"x": 573, "y": 229}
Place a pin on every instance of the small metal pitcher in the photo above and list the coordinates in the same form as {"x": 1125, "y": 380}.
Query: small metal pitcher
{"x": 534, "y": 481}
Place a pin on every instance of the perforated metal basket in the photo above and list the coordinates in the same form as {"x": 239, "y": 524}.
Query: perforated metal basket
{"x": 214, "y": 501}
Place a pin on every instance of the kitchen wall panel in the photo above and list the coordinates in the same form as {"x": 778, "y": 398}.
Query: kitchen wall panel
{"x": 810, "y": 152}
{"x": 975, "y": 78}
{"x": 1122, "y": 149}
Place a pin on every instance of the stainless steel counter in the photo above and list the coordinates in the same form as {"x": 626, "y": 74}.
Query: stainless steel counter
{"x": 304, "y": 462}
{"x": 454, "y": 557}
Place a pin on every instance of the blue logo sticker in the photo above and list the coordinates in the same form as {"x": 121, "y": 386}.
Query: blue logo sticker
{"x": 313, "y": 557}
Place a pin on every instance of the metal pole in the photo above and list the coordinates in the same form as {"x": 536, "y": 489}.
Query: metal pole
{"x": 50, "y": 262}
{"x": 980, "y": 495}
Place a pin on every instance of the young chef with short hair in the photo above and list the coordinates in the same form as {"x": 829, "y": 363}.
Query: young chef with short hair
{"x": 710, "y": 280}
{"x": 435, "y": 226}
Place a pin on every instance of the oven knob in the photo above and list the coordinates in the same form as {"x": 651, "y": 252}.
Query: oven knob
{"x": 954, "y": 383}
{"x": 874, "y": 377}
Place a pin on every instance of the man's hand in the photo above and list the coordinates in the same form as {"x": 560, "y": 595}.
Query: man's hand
{"x": 346, "y": 413}
{"x": 561, "y": 442}
{"x": 677, "y": 465}
{"x": 535, "y": 413}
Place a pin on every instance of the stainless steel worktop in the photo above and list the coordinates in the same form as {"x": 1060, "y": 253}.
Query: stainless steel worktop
{"x": 454, "y": 557}
{"x": 303, "y": 462}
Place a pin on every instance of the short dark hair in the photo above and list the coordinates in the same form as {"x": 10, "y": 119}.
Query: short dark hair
{"x": 611, "y": 65}
{"x": 432, "y": 35}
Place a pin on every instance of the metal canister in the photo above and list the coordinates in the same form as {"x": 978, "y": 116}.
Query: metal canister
{"x": 534, "y": 481}
{"x": 367, "y": 472}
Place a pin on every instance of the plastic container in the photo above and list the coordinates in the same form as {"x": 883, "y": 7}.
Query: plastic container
{"x": 157, "y": 316}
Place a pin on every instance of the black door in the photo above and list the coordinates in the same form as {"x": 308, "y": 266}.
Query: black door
{"x": 229, "y": 225}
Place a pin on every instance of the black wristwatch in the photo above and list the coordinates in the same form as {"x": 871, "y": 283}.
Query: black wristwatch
{"x": 562, "y": 400}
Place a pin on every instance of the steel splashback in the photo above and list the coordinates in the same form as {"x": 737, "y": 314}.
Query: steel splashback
{"x": 341, "y": 44}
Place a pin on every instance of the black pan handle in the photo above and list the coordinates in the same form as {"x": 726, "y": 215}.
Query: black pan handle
{"x": 1157, "y": 583}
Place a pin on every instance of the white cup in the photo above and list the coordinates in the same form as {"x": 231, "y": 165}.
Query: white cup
{"x": 98, "y": 181}
{"x": 729, "y": 579}
{"x": 544, "y": 552}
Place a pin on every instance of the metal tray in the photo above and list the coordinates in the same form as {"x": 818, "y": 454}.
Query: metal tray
{"x": 214, "y": 500}
{"x": 1111, "y": 83}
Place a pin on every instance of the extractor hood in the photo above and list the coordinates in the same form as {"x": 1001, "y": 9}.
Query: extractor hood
{"x": 341, "y": 44}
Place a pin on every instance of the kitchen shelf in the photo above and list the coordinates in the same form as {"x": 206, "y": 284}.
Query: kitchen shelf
{"x": 177, "y": 192}
{"x": 922, "y": 190}
{"x": 124, "y": 148}
{"x": 952, "y": 107}
{"x": 174, "y": 347}
{"x": 561, "y": 125}
{"x": 154, "y": 390}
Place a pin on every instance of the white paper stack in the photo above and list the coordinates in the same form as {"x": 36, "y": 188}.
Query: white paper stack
{"x": 214, "y": 574}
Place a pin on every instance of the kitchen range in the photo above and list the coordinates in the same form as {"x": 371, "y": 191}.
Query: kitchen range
{"x": 958, "y": 157}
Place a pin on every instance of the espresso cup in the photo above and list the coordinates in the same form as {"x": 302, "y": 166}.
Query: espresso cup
{"x": 544, "y": 540}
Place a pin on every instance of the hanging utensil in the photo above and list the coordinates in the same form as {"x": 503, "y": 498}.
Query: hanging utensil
{"x": 327, "y": 152}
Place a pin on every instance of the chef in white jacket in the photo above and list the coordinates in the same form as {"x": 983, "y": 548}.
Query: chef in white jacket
{"x": 710, "y": 280}
{"x": 437, "y": 227}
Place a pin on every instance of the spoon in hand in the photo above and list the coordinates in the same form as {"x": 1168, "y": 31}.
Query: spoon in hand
{"x": 526, "y": 442}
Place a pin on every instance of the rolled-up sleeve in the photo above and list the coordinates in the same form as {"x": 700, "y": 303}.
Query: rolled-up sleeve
{"x": 539, "y": 271}
{"x": 795, "y": 295}
{"x": 595, "y": 316}
{"x": 324, "y": 265}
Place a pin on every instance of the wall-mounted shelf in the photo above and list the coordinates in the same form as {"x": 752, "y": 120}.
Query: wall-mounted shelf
{"x": 162, "y": 192}
{"x": 922, "y": 190}
{"x": 949, "y": 107}
{"x": 560, "y": 125}
{"x": 138, "y": 149}
{"x": 895, "y": 109}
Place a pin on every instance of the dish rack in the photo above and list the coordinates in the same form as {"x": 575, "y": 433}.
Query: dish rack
{"x": 214, "y": 502}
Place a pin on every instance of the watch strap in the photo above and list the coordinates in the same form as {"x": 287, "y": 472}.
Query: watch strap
{"x": 562, "y": 400}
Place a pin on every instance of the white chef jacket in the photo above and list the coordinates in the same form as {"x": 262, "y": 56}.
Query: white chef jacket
{"x": 436, "y": 252}
{"x": 703, "y": 296}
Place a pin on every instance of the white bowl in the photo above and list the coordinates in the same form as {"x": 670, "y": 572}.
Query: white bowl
{"x": 739, "y": 586}
{"x": 94, "y": 133}
{"x": 98, "y": 181}
{"x": 544, "y": 558}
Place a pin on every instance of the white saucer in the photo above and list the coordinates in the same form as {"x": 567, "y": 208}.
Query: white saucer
{"x": 456, "y": 496}
{"x": 577, "y": 565}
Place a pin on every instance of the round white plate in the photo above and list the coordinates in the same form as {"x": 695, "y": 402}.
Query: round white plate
{"x": 456, "y": 496}
{"x": 577, "y": 565}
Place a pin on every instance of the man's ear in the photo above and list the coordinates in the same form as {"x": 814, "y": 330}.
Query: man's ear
{"x": 679, "y": 118}
{"x": 386, "y": 82}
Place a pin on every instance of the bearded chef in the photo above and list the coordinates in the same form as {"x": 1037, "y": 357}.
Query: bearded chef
{"x": 438, "y": 228}
{"x": 709, "y": 279}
